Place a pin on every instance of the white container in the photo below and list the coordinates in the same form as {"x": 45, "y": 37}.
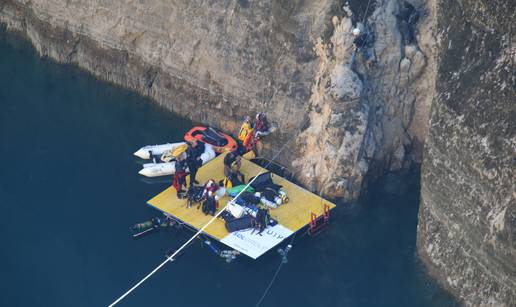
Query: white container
{"x": 235, "y": 210}
{"x": 221, "y": 191}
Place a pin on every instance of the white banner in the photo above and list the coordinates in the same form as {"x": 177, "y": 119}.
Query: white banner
{"x": 254, "y": 245}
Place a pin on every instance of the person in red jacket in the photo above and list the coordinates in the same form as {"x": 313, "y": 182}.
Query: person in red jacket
{"x": 179, "y": 179}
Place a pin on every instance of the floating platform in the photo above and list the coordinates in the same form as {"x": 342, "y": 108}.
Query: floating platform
{"x": 291, "y": 217}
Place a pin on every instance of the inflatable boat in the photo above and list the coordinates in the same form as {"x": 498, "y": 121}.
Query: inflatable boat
{"x": 169, "y": 168}
{"x": 221, "y": 142}
{"x": 147, "y": 152}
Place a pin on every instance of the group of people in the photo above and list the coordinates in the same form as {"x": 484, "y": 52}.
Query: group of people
{"x": 249, "y": 137}
{"x": 251, "y": 132}
{"x": 190, "y": 158}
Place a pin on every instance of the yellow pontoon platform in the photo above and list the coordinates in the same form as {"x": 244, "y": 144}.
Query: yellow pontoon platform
{"x": 291, "y": 217}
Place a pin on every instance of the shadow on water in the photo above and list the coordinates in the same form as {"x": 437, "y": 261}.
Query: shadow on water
{"x": 69, "y": 190}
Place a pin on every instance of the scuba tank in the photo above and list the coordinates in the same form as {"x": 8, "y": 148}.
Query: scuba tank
{"x": 153, "y": 223}
{"x": 283, "y": 196}
{"x": 265, "y": 201}
{"x": 278, "y": 200}
{"x": 268, "y": 203}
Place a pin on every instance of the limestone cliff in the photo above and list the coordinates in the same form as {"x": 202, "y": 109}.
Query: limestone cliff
{"x": 467, "y": 219}
{"x": 217, "y": 61}
{"x": 368, "y": 116}
{"x": 350, "y": 115}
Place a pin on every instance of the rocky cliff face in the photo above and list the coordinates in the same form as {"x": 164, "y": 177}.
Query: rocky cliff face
{"x": 217, "y": 61}
{"x": 368, "y": 114}
{"x": 345, "y": 115}
{"x": 467, "y": 219}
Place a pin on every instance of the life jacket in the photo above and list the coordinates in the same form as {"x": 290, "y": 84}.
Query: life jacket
{"x": 226, "y": 182}
{"x": 246, "y": 135}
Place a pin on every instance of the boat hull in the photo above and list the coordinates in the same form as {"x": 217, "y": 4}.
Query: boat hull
{"x": 196, "y": 133}
{"x": 157, "y": 150}
{"x": 169, "y": 168}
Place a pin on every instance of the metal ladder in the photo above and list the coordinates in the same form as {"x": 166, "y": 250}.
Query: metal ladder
{"x": 318, "y": 223}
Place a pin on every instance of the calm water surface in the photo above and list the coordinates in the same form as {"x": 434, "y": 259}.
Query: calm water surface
{"x": 69, "y": 190}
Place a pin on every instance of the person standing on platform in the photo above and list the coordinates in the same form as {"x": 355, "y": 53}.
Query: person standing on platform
{"x": 179, "y": 179}
{"x": 193, "y": 159}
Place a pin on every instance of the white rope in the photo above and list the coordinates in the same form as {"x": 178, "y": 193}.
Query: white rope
{"x": 270, "y": 284}
{"x": 267, "y": 289}
{"x": 182, "y": 247}
{"x": 171, "y": 257}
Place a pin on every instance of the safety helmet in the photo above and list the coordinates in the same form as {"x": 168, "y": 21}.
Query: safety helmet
{"x": 356, "y": 31}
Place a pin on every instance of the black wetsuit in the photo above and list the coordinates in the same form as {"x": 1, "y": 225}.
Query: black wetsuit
{"x": 193, "y": 160}
{"x": 360, "y": 41}
{"x": 236, "y": 177}
{"x": 228, "y": 160}
{"x": 363, "y": 42}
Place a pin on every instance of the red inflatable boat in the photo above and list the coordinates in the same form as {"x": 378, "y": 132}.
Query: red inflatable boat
{"x": 221, "y": 142}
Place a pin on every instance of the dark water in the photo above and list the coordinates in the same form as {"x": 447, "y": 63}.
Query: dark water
{"x": 69, "y": 190}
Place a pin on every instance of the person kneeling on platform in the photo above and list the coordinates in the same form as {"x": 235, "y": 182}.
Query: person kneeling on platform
{"x": 234, "y": 177}
{"x": 209, "y": 206}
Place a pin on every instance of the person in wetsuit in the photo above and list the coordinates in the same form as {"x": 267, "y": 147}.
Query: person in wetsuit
{"x": 193, "y": 159}
{"x": 232, "y": 163}
{"x": 363, "y": 41}
{"x": 179, "y": 179}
